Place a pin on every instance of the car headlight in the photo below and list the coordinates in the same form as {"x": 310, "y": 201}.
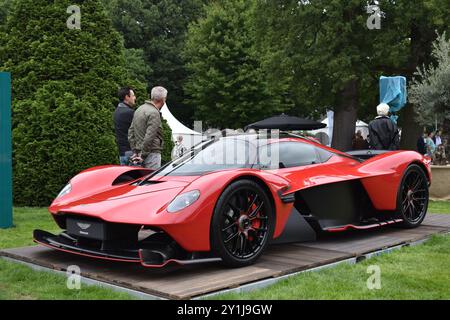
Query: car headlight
{"x": 184, "y": 200}
{"x": 65, "y": 190}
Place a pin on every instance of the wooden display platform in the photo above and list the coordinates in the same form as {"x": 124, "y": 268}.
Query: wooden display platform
{"x": 198, "y": 280}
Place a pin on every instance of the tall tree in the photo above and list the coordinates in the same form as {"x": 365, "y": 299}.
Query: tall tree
{"x": 158, "y": 27}
{"x": 4, "y": 8}
{"x": 226, "y": 83}
{"x": 135, "y": 64}
{"x": 334, "y": 60}
{"x": 65, "y": 83}
{"x": 430, "y": 91}
{"x": 409, "y": 30}
{"x": 328, "y": 53}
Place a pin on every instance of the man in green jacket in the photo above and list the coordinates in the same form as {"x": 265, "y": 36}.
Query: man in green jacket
{"x": 145, "y": 134}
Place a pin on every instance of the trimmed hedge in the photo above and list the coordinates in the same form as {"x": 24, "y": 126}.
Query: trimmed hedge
{"x": 64, "y": 87}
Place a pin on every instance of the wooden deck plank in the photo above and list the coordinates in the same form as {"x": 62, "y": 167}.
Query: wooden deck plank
{"x": 362, "y": 242}
{"x": 437, "y": 220}
{"x": 212, "y": 276}
{"x": 223, "y": 283}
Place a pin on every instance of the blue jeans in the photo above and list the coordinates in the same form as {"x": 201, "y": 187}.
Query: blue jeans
{"x": 125, "y": 158}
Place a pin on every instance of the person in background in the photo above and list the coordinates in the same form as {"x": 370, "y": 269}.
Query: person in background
{"x": 421, "y": 145}
{"x": 146, "y": 134}
{"x": 431, "y": 147}
{"x": 440, "y": 157}
{"x": 383, "y": 132}
{"x": 179, "y": 149}
{"x": 359, "y": 143}
{"x": 446, "y": 144}
{"x": 437, "y": 138}
{"x": 123, "y": 115}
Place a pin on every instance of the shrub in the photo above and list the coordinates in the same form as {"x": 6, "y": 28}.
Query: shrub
{"x": 64, "y": 87}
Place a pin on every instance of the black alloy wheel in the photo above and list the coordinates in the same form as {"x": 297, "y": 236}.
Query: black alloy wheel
{"x": 242, "y": 224}
{"x": 412, "y": 201}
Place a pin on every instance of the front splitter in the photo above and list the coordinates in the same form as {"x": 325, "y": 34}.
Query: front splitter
{"x": 145, "y": 257}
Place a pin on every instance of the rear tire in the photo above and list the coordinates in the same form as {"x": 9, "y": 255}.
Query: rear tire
{"x": 243, "y": 222}
{"x": 412, "y": 198}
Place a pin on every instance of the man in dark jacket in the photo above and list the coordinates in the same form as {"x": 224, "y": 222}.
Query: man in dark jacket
{"x": 145, "y": 134}
{"x": 421, "y": 146}
{"x": 123, "y": 116}
{"x": 383, "y": 132}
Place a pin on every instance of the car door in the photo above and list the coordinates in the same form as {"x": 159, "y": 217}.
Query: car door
{"x": 303, "y": 164}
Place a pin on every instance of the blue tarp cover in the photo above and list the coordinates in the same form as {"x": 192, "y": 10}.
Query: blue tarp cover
{"x": 393, "y": 92}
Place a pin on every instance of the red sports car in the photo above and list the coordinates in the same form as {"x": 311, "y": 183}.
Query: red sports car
{"x": 228, "y": 198}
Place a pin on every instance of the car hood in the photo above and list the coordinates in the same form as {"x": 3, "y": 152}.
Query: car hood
{"x": 125, "y": 204}
{"x": 133, "y": 190}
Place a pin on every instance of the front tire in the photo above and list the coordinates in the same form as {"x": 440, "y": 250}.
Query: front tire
{"x": 243, "y": 222}
{"x": 412, "y": 199}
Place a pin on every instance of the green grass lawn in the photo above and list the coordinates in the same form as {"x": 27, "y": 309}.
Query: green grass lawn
{"x": 421, "y": 272}
{"x": 19, "y": 282}
{"x": 439, "y": 207}
{"x": 25, "y": 221}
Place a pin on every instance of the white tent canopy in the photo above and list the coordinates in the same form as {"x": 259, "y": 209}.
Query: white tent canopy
{"x": 360, "y": 125}
{"x": 327, "y": 131}
{"x": 190, "y": 137}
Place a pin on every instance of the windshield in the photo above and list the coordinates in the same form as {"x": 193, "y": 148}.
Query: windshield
{"x": 223, "y": 154}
